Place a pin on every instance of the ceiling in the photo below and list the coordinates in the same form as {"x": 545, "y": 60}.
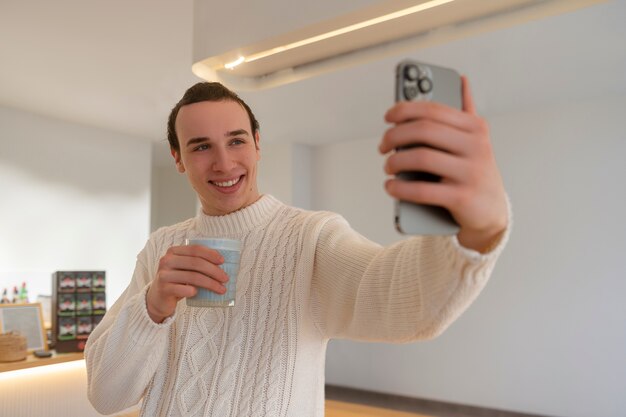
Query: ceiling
{"x": 121, "y": 66}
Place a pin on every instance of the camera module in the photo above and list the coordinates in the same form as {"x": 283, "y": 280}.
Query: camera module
{"x": 410, "y": 92}
{"x": 425, "y": 85}
{"x": 411, "y": 72}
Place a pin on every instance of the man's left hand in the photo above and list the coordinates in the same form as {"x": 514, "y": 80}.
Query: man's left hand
{"x": 459, "y": 151}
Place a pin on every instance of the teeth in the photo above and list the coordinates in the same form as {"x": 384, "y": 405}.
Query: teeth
{"x": 227, "y": 183}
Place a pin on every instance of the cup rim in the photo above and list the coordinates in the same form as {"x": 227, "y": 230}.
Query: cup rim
{"x": 215, "y": 242}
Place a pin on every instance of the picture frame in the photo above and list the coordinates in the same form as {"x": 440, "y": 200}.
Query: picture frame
{"x": 27, "y": 319}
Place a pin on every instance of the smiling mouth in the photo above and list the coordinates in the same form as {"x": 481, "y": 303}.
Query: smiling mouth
{"x": 227, "y": 184}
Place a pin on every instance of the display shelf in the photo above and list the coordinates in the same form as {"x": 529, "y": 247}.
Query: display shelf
{"x": 31, "y": 361}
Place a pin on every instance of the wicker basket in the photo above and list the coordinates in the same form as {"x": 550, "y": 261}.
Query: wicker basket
{"x": 12, "y": 347}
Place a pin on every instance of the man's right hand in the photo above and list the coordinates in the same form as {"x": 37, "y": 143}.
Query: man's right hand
{"x": 181, "y": 270}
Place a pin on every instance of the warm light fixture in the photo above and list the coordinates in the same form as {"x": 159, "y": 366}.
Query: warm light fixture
{"x": 236, "y": 62}
{"x": 39, "y": 371}
{"x": 269, "y": 55}
{"x": 337, "y": 32}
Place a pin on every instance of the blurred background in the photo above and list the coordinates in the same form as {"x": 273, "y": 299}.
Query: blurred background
{"x": 85, "y": 176}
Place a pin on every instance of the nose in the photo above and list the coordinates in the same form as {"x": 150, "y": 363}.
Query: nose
{"x": 222, "y": 161}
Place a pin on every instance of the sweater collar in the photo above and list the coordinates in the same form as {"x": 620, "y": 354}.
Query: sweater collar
{"x": 240, "y": 221}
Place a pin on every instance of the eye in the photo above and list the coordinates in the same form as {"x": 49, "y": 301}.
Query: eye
{"x": 202, "y": 147}
{"x": 237, "y": 141}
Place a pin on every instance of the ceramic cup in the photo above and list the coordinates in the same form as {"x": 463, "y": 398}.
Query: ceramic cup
{"x": 231, "y": 250}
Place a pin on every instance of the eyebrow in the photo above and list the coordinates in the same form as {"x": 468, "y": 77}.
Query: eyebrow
{"x": 237, "y": 132}
{"x": 201, "y": 139}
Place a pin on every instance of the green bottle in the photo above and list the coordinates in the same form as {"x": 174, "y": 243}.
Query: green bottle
{"x": 23, "y": 293}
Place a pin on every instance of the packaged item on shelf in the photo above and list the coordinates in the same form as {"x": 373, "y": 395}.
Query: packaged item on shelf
{"x": 78, "y": 304}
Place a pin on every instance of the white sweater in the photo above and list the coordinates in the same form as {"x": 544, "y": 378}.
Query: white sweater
{"x": 305, "y": 277}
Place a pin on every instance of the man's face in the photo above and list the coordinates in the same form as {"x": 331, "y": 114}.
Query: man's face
{"x": 219, "y": 154}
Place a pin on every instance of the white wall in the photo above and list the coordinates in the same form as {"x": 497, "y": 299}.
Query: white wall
{"x": 548, "y": 334}
{"x": 285, "y": 172}
{"x": 173, "y": 198}
{"x": 73, "y": 198}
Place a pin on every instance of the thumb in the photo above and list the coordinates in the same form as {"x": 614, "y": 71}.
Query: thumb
{"x": 468, "y": 100}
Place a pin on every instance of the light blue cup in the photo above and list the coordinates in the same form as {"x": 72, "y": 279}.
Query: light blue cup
{"x": 231, "y": 250}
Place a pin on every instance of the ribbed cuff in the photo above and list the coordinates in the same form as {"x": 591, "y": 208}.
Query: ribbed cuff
{"x": 143, "y": 329}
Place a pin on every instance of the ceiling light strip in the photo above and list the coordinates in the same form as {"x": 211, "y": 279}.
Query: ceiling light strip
{"x": 337, "y": 32}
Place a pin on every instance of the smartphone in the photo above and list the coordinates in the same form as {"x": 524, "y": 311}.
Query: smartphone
{"x": 420, "y": 81}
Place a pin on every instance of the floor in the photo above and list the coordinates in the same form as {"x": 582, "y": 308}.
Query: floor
{"x": 349, "y": 402}
{"x": 343, "y": 409}
{"x": 410, "y": 406}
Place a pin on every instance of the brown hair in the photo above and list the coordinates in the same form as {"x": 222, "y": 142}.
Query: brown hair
{"x": 205, "y": 91}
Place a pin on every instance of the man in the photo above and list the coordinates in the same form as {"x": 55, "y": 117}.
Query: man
{"x": 305, "y": 277}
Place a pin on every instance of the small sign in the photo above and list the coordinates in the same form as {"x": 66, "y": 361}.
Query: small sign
{"x": 26, "y": 319}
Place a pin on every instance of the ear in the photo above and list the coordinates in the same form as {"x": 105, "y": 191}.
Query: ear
{"x": 179, "y": 163}
{"x": 257, "y": 140}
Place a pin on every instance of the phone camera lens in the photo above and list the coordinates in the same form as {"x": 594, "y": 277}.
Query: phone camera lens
{"x": 425, "y": 85}
{"x": 411, "y": 72}
{"x": 410, "y": 92}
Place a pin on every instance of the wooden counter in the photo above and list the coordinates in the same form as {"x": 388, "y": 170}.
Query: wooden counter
{"x": 31, "y": 361}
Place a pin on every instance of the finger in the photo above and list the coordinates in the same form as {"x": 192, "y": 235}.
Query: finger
{"x": 202, "y": 281}
{"x": 182, "y": 291}
{"x": 195, "y": 258}
{"x": 195, "y": 279}
{"x": 192, "y": 264}
{"x": 468, "y": 99}
{"x": 425, "y": 132}
{"x": 199, "y": 251}
{"x": 405, "y": 111}
{"x": 203, "y": 268}
{"x": 421, "y": 192}
{"x": 434, "y": 161}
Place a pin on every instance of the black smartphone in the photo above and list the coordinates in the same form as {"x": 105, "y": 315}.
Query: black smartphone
{"x": 420, "y": 81}
{"x": 42, "y": 353}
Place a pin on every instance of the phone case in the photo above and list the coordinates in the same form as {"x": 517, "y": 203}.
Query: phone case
{"x": 420, "y": 81}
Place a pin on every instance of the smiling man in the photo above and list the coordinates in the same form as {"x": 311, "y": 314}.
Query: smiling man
{"x": 219, "y": 154}
{"x": 305, "y": 277}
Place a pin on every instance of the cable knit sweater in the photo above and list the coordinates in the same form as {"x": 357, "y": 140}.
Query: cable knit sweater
{"x": 305, "y": 277}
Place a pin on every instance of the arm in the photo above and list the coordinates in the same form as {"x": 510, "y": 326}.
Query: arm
{"x": 125, "y": 349}
{"x": 416, "y": 288}
{"x": 411, "y": 290}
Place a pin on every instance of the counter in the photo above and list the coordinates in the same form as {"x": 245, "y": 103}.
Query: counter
{"x": 51, "y": 387}
{"x": 31, "y": 361}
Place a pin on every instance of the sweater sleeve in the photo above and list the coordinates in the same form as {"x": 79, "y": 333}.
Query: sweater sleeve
{"x": 411, "y": 290}
{"x": 124, "y": 350}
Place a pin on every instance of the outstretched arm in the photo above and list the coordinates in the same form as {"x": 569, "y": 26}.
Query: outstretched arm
{"x": 411, "y": 290}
